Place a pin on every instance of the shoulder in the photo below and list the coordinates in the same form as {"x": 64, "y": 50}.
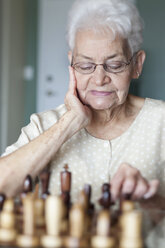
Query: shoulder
{"x": 46, "y": 119}
{"x": 153, "y": 112}
{"x": 155, "y": 105}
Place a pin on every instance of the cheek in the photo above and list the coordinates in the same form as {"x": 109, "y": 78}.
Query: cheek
{"x": 82, "y": 82}
{"x": 123, "y": 88}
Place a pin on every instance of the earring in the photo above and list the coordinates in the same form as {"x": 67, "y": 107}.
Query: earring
{"x": 138, "y": 74}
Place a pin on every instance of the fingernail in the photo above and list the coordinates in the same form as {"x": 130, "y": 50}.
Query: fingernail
{"x": 147, "y": 195}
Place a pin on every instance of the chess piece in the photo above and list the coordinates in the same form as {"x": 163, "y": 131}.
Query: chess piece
{"x": 2, "y": 199}
{"x": 29, "y": 237}
{"x": 83, "y": 200}
{"x": 126, "y": 204}
{"x": 7, "y": 223}
{"x": 131, "y": 230}
{"x": 66, "y": 177}
{"x": 44, "y": 178}
{"x": 76, "y": 236}
{"x": 39, "y": 216}
{"x": 88, "y": 192}
{"x": 105, "y": 200}
{"x": 102, "y": 238}
{"x": 53, "y": 217}
{"x": 27, "y": 186}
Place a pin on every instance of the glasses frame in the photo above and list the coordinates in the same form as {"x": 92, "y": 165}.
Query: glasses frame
{"x": 104, "y": 66}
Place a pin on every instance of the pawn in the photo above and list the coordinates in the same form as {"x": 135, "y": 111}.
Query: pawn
{"x": 131, "y": 230}
{"x": 28, "y": 238}
{"x": 2, "y": 199}
{"x": 83, "y": 200}
{"x": 76, "y": 236}
{"x": 102, "y": 238}
{"x": 126, "y": 204}
{"x": 90, "y": 209}
{"x": 105, "y": 200}
{"x": 88, "y": 192}
{"x": 27, "y": 189}
{"x": 7, "y": 224}
{"x": 44, "y": 178}
{"x": 27, "y": 186}
{"x": 53, "y": 216}
{"x": 39, "y": 216}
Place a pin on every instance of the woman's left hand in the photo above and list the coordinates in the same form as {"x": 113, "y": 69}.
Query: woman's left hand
{"x": 129, "y": 181}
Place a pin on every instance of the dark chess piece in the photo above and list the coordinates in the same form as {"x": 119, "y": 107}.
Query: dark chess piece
{"x": 27, "y": 186}
{"x": 66, "y": 177}
{"x": 88, "y": 192}
{"x": 44, "y": 178}
{"x": 2, "y": 199}
{"x": 105, "y": 200}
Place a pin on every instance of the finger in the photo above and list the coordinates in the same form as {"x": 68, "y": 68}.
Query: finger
{"x": 72, "y": 82}
{"x": 141, "y": 189}
{"x": 118, "y": 180}
{"x": 116, "y": 184}
{"x": 129, "y": 185}
{"x": 153, "y": 188}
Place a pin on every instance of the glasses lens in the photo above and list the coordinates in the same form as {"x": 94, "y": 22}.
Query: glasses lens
{"x": 84, "y": 68}
{"x": 115, "y": 67}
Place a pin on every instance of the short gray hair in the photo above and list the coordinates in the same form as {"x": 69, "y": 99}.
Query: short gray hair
{"x": 120, "y": 16}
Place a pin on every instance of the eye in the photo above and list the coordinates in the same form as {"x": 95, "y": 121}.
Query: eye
{"x": 84, "y": 67}
{"x": 115, "y": 65}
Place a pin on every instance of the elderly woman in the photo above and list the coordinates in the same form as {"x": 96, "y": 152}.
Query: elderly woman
{"x": 102, "y": 132}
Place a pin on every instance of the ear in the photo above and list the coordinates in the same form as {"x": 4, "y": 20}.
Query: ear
{"x": 138, "y": 66}
{"x": 70, "y": 56}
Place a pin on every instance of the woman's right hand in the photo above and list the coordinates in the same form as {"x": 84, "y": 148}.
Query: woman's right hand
{"x": 82, "y": 112}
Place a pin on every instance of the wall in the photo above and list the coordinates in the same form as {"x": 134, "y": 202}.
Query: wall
{"x": 152, "y": 82}
{"x": 31, "y": 22}
{"x": 18, "y": 46}
{"x": 0, "y": 67}
{"x": 12, "y": 62}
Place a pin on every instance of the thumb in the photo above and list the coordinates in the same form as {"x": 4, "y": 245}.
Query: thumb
{"x": 72, "y": 81}
{"x": 153, "y": 188}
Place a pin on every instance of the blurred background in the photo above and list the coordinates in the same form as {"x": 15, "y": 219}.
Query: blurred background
{"x": 34, "y": 65}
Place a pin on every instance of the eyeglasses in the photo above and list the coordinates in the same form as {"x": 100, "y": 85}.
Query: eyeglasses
{"x": 111, "y": 67}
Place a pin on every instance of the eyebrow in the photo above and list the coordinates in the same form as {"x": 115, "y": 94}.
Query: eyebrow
{"x": 109, "y": 57}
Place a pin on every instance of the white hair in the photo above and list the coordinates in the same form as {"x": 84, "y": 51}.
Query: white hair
{"x": 118, "y": 16}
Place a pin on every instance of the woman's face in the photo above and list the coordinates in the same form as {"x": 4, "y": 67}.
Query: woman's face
{"x": 102, "y": 90}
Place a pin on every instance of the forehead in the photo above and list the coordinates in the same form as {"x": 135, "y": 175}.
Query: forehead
{"x": 97, "y": 45}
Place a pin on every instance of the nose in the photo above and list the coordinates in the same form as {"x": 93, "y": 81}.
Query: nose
{"x": 100, "y": 76}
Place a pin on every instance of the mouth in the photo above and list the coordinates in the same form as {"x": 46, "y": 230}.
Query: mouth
{"x": 101, "y": 93}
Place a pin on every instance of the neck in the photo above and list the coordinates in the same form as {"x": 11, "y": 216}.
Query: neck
{"x": 112, "y": 115}
{"x": 111, "y": 123}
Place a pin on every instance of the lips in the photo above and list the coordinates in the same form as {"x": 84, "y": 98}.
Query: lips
{"x": 101, "y": 93}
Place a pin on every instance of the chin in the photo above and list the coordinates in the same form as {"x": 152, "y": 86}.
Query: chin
{"x": 100, "y": 106}
{"x": 99, "y": 103}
